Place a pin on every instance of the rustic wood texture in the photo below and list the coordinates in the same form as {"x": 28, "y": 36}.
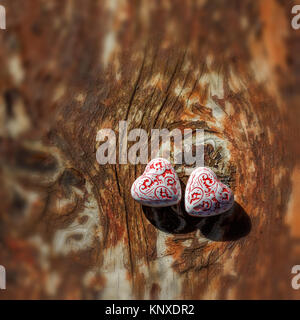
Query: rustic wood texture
{"x": 69, "y": 228}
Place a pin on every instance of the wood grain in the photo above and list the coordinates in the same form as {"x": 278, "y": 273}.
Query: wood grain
{"x": 69, "y": 228}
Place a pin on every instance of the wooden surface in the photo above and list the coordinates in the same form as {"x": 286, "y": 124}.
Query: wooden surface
{"x": 68, "y": 226}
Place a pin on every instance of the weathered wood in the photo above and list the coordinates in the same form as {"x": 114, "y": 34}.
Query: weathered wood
{"x": 68, "y": 226}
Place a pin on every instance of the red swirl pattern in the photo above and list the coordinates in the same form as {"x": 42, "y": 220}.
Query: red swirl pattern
{"x": 158, "y": 186}
{"x": 205, "y": 195}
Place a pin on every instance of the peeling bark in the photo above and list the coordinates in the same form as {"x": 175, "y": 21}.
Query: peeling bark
{"x": 69, "y": 225}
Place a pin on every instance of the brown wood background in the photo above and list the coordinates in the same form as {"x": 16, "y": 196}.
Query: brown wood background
{"x": 68, "y": 226}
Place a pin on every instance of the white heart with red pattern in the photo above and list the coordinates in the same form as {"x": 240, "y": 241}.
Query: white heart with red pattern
{"x": 205, "y": 195}
{"x": 158, "y": 186}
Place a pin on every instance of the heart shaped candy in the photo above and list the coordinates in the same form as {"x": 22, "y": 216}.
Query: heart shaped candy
{"x": 205, "y": 195}
{"x": 158, "y": 186}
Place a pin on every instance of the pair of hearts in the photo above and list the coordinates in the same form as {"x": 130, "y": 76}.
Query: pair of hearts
{"x": 159, "y": 186}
